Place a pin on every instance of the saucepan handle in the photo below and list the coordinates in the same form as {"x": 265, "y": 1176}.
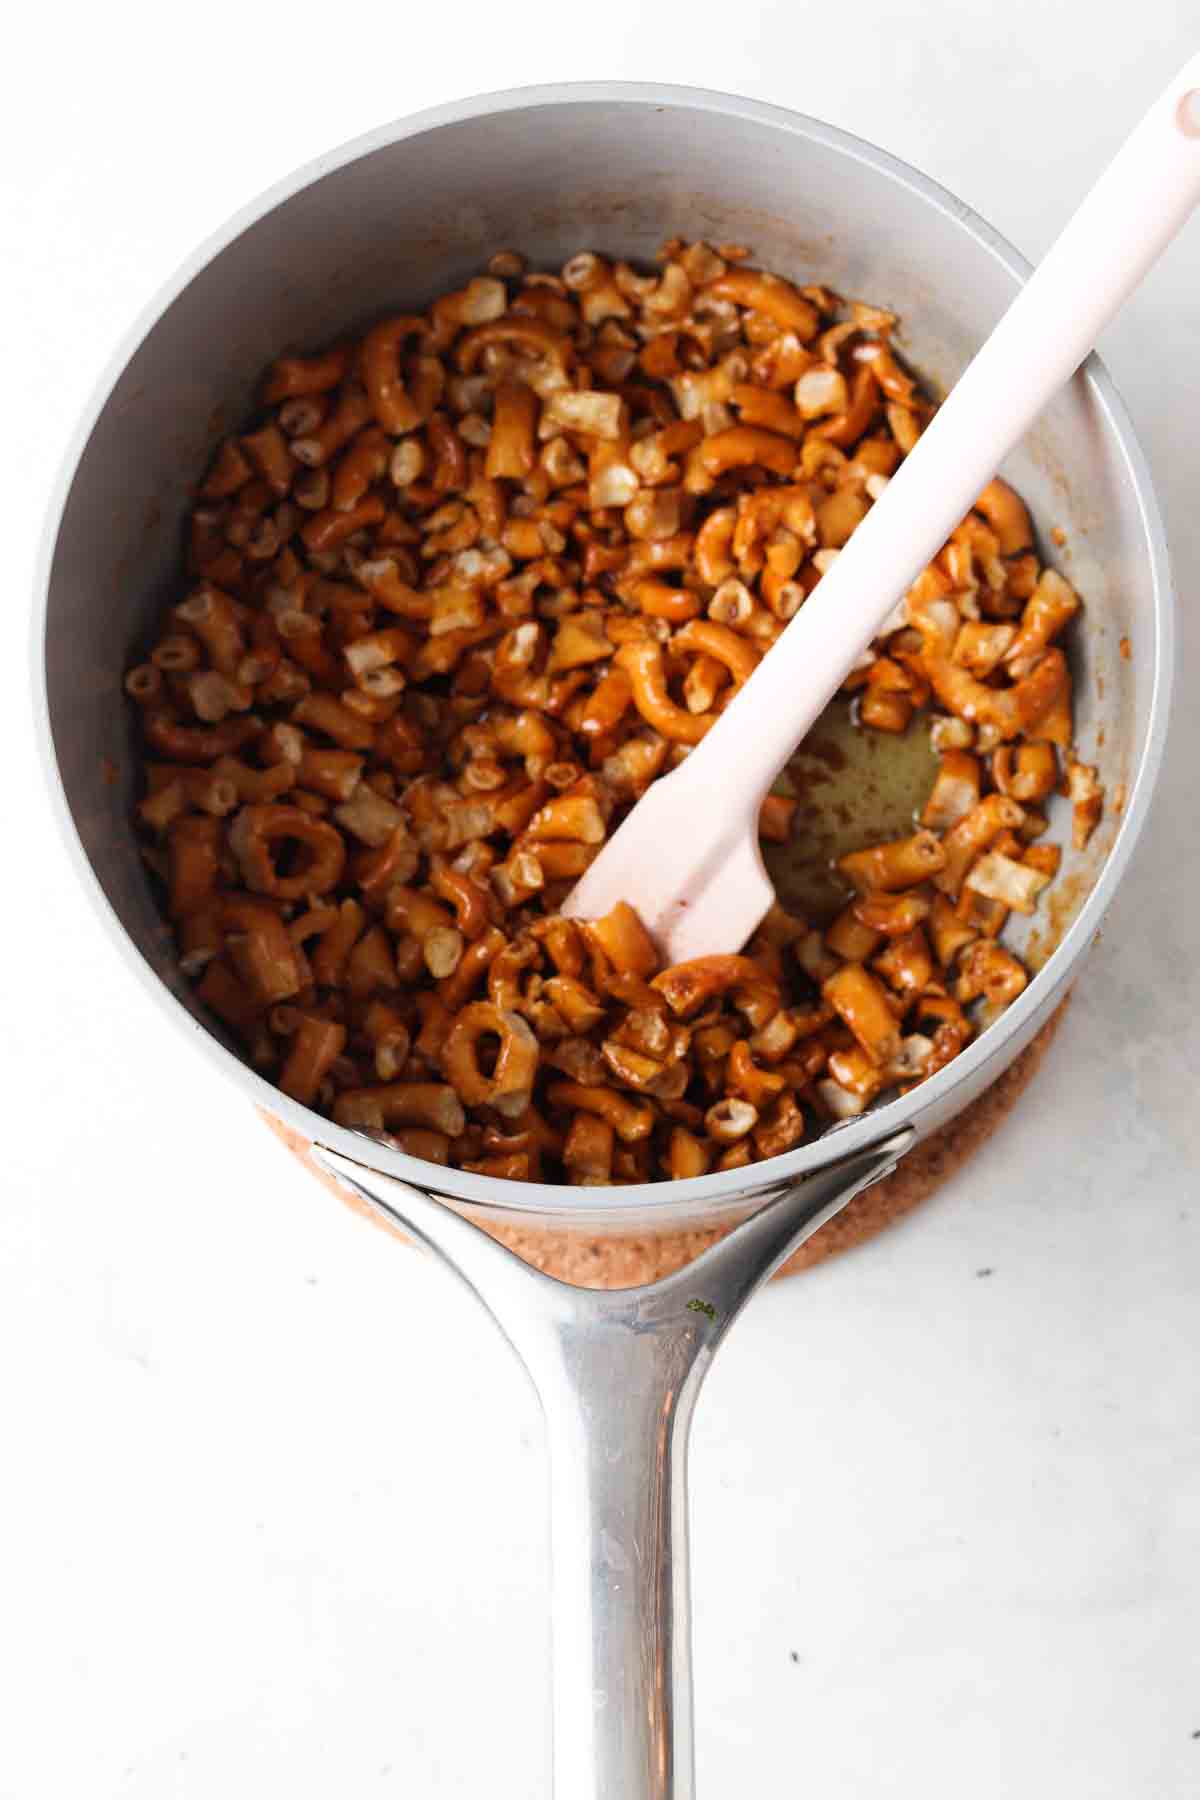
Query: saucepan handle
{"x": 619, "y": 1380}
{"x": 618, "y": 1374}
{"x": 617, "y": 1421}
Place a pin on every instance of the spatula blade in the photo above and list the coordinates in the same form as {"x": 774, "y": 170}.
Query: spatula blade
{"x": 696, "y": 897}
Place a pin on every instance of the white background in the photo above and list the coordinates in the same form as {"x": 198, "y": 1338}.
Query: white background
{"x": 271, "y": 1514}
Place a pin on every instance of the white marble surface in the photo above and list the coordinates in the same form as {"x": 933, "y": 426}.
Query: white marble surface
{"x": 271, "y": 1512}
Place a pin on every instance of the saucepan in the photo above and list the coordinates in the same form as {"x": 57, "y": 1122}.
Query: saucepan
{"x": 394, "y": 219}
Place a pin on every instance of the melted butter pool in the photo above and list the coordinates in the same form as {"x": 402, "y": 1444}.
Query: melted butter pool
{"x": 854, "y": 788}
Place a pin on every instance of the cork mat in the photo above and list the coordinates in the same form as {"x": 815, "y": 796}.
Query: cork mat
{"x": 610, "y": 1262}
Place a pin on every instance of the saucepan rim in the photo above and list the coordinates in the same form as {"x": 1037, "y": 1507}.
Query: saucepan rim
{"x": 704, "y": 1194}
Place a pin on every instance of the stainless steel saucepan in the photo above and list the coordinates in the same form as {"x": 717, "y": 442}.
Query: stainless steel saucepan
{"x": 394, "y": 219}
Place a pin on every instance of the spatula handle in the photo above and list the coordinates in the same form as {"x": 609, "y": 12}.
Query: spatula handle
{"x": 1123, "y": 225}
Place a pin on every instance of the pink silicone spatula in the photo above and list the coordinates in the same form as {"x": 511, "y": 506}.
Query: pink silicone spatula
{"x": 687, "y": 856}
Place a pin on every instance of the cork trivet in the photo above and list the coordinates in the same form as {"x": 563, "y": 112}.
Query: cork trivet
{"x": 611, "y": 1262}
